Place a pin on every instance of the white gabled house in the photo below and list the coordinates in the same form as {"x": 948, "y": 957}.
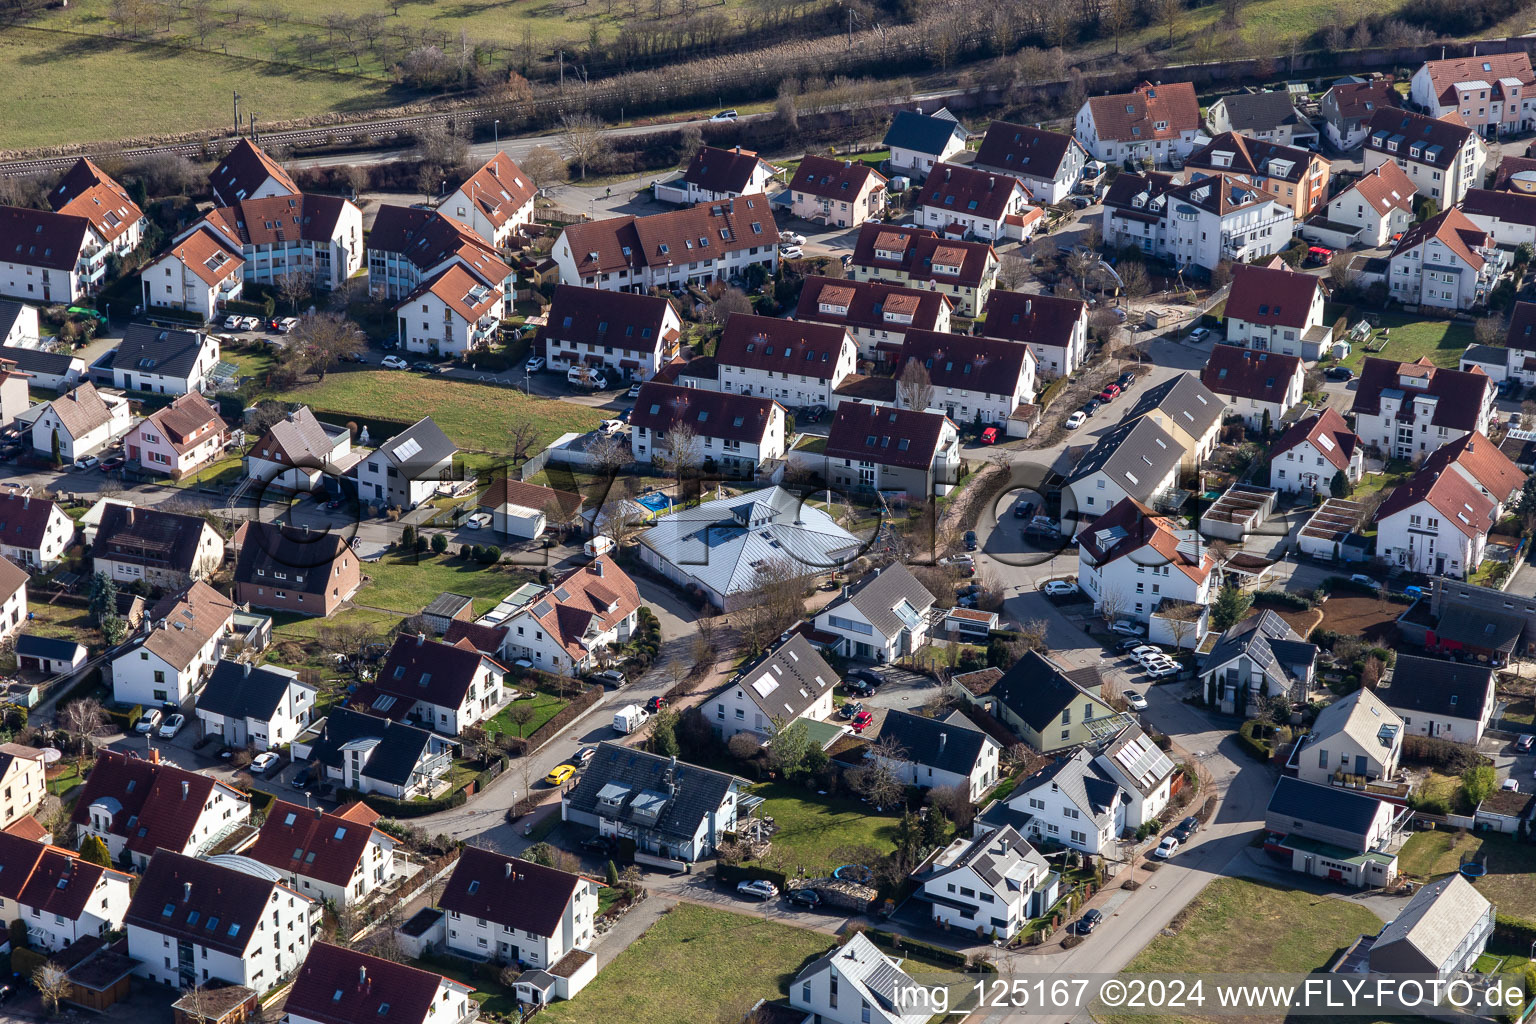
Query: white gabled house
{"x": 263, "y": 707}
{"x": 1048, "y": 163}
{"x": 1312, "y": 452}
{"x": 198, "y": 273}
{"x": 791, "y": 681}
{"x": 1150, "y": 123}
{"x": 59, "y": 897}
{"x": 515, "y": 911}
{"x": 438, "y": 686}
{"x": 1074, "y": 801}
{"x": 1130, "y": 559}
{"x": 855, "y": 983}
{"x": 990, "y": 884}
{"x": 567, "y": 625}
{"x": 1446, "y": 262}
{"x": 796, "y": 364}
{"x": 1409, "y": 410}
{"x": 495, "y": 202}
{"x": 1055, "y": 329}
{"x": 737, "y": 433}
{"x": 451, "y": 313}
{"x": 168, "y": 663}
{"x": 84, "y": 421}
{"x": 137, "y": 806}
{"x": 631, "y": 335}
{"x": 339, "y": 857}
{"x": 884, "y": 617}
{"x": 1438, "y": 522}
{"x": 1260, "y": 386}
{"x": 933, "y": 754}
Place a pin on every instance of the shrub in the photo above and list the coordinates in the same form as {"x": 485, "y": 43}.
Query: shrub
{"x": 1444, "y": 755}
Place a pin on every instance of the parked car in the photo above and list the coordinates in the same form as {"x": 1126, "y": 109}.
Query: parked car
{"x": 610, "y": 426}
{"x": 1125, "y": 380}
{"x": 1061, "y": 588}
{"x": 1186, "y": 828}
{"x": 1130, "y": 645}
{"x": 757, "y": 889}
{"x": 1145, "y": 652}
{"x": 584, "y": 756}
{"x": 479, "y": 521}
{"x": 88, "y": 462}
{"x": 232, "y": 323}
{"x": 791, "y": 238}
{"x": 725, "y": 115}
{"x": 1511, "y": 785}
{"x": 172, "y": 726}
{"x": 1525, "y": 742}
{"x": 395, "y": 363}
{"x": 655, "y": 704}
{"x": 1199, "y": 334}
{"x": 354, "y": 357}
{"x": 858, "y": 687}
{"x": 115, "y": 462}
{"x": 560, "y": 774}
{"x": 634, "y": 390}
{"x": 1162, "y": 669}
{"x": 1082, "y": 202}
{"x": 1339, "y": 373}
{"x": 790, "y": 252}
{"x": 1092, "y": 405}
{"x": 263, "y": 763}
{"x": 989, "y": 435}
{"x": 1110, "y": 393}
{"x": 862, "y": 720}
{"x": 1165, "y": 848}
{"x": 1125, "y": 627}
{"x": 961, "y": 559}
{"x": 850, "y": 709}
{"x": 813, "y": 413}
{"x": 1076, "y": 420}
{"x": 970, "y": 540}
{"x": 609, "y": 677}
{"x": 287, "y": 324}
{"x": 423, "y": 366}
{"x": 1365, "y": 580}
{"x": 534, "y": 365}
{"x": 1023, "y": 509}
{"x": 808, "y": 898}
{"x": 597, "y": 844}
{"x": 1135, "y": 700}
{"x": 1089, "y": 921}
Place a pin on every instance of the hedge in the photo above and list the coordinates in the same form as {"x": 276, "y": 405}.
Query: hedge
{"x": 926, "y": 950}
{"x": 730, "y": 874}
{"x": 565, "y": 716}
{"x": 1261, "y": 749}
{"x": 126, "y": 718}
{"x": 245, "y": 307}
{"x": 1517, "y": 930}
{"x": 261, "y": 799}
{"x": 1286, "y": 598}
{"x": 25, "y": 961}
{"x": 389, "y": 807}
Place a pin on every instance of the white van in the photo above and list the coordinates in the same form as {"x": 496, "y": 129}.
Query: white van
{"x": 629, "y": 718}
{"x": 586, "y": 377}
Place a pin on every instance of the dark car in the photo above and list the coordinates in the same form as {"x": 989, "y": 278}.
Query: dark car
{"x": 1023, "y": 509}
{"x": 115, "y": 462}
{"x": 1186, "y": 828}
{"x": 1339, "y": 373}
{"x": 808, "y": 898}
{"x": 1525, "y": 742}
{"x": 1125, "y": 380}
{"x": 970, "y": 540}
{"x": 1092, "y": 406}
{"x": 858, "y": 687}
{"x": 850, "y": 709}
{"x": 1089, "y": 921}
{"x": 1131, "y": 644}
{"x": 597, "y": 844}
{"x": 425, "y": 367}
{"x": 655, "y": 704}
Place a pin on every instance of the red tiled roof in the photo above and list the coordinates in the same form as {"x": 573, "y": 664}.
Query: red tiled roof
{"x": 161, "y": 801}
{"x": 869, "y": 303}
{"x": 594, "y": 596}
{"x": 1231, "y": 152}
{"x": 187, "y": 421}
{"x": 41, "y": 238}
{"x": 244, "y": 170}
{"x": 1450, "y": 494}
{"x": 826, "y": 178}
{"x": 1385, "y": 187}
{"x": 1522, "y": 328}
{"x": 208, "y": 255}
{"x": 499, "y": 189}
{"x": 88, "y": 191}
{"x": 24, "y": 519}
{"x": 702, "y": 231}
{"x": 1509, "y": 166}
{"x": 1033, "y": 319}
{"x": 300, "y": 841}
{"x": 958, "y": 189}
{"x": 1020, "y": 149}
{"x": 890, "y": 437}
{"x": 487, "y": 639}
{"x": 961, "y": 361}
{"x": 720, "y": 414}
{"x": 278, "y": 219}
{"x": 1133, "y": 116}
{"x": 722, "y": 170}
{"x": 509, "y": 892}
{"x": 428, "y": 238}
{"x": 1244, "y": 373}
{"x": 345, "y": 986}
{"x": 466, "y": 294}
{"x": 1461, "y": 395}
{"x": 1482, "y": 459}
{"x": 1454, "y": 231}
{"x": 1445, "y": 75}
{"x": 198, "y": 901}
{"x": 515, "y": 492}
{"x": 788, "y": 346}
{"x": 1326, "y": 432}
{"x": 28, "y": 827}
{"x": 1276, "y": 298}
{"x": 917, "y": 248}
{"x": 1131, "y": 526}
{"x": 626, "y": 320}
{"x": 1508, "y": 207}
{"x": 417, "y": 668}
{"x": 1360, "y": 100}
{"x": 49, "y": 879}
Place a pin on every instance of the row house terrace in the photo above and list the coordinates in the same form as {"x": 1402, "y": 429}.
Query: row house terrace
{"x": 696, "y": 245}
{"x": 409, "y": 246}
{"x": 878, "y": 315}
{"x": 632, "y": 334}
{"x": 796, "y": 364}
{"x": 916, "y": 257}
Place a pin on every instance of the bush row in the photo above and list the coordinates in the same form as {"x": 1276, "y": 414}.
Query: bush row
{"x": 1286, "y": 598}
{"x": 730, "y": 874}
{"x": 926, "y": 950}
{"x": 245, "y": 307}
{"x": 1514, "y": 930}
{"x": 1448, "y": 756}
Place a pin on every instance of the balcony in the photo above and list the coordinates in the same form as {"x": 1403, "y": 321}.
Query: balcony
{"x": 1394, "y": 789}
{"x": 483, "y": 332}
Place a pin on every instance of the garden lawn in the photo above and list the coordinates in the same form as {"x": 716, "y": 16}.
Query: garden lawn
{"x": 65, "y": 622}
{"x": 1412, "y": 339}
{"x": 407, "y": 584}
{"x": 472, "y": 415}
{"x": 695, "y": 964}
{"x": 1511, "y": 865}
{"x": 1238, "y": 925}
{"x": 545, "y": 706}
{"x": 815, "y": 832}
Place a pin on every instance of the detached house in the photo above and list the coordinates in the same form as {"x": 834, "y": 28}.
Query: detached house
{"x": 855, "y": 983}
{"x": 990, "y": 884}
{"x": 164, "y": 549}
{"x": 1312, "y": 452}
{"x": 1297, "y": 178}
{"x": 673, "y": 811}
{"x": 495, "y": 202}
{"x": 1187, "y": 411}
{"x": 1052, "y": 709}
{"x": 1048, "y": 163}
{"x": 51, "y": 371}
{"x": 796, "y": 364}
{"x": 1356, "y": 736}
{"x": 1131, "y": 559}
{"x": 1519, "y": 346}
{"x": 452, "y": 313}
{"x": 229, "y": 919}
{"x": 337, "y": 858}
{"x": 1200, "y": 223}
{"x": 1442, "y": 931}
{"x": 1073, "y": 801}
{"x": 1446, "y": 262}
{"x": 298, "y": 451}
{"x": 1262, "y": 656}
{"x": 715, "y": 174}
{"x": 287, "y": 569}
{"x": 183, "y": 639}
{"x": 59, "y": 897}
{"x": 878, "y": 315}
{"x": 1274, "y": 309}
{"x": 629, "y": 334}
{"x": 1348, "y": 107}
{"x": 138, "y": 806}
{"x": 407, "y": 469}
{"x": 791, "y": 681}
{"x": 1333, "y": 833}
{"x": 966, "y": 272}
{"x": 1269, "y": 117}
{"x": 264, "y": 707}
{"x": 919, "y": 141}
{"x": 1407, "y": 410}
{"x": 517, "y": 912}
{"x": 1447, "y": 699}
{"x": 50, "y": 257}
{"x": 1150, "y": 123}
{"x": 696, "y": 245}
{"x": 178, "y": 439}
{"x": 1442, "y": 157}
{"x": 314, "y": 238}
{"x": 1137, "y": 459}
{"x": 737, "y": 434}
{"x": 570, "y": 625}
{"x": 200, "y": 272}
{"x": 408, "y": 246}
{"x": 976, "y": 381}
{"x": 1374, "y": 209}
{"x": 876, "y": 448}
{"x": 525, "y": 510}
{"x": 1261, "y": 387}
{"x": 343, "y": 986}
{"x": 368, "y": 754}
{"x": 837, "y": 193}
{"x": 247, "y": 172}
{"x": 83, "y": 421}
{"x": 1438, "y": 522}
{"x": 445, "y": 687}
{"x": 935, "y": 754}
{"x": 963, "y": 202}
{"x": 22, "y": 782}
{"x": 1493, "y": 94}
{"x": 1144, "y": 772}
{"x": 34, "y": 532}
{"x": 884, "y": 617}
{"x": 166, "y": 362}
{"x": 1055, "y": 329}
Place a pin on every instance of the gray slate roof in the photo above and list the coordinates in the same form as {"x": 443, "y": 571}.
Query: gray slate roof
{"x": 1438, "y": 687}
{"x": 395, "y": 757}
{"x": 32, "y": 360}
{"x": 1262, "y": 111}
{"x": 1036, "y": 690}
{"x": 699, "y": 791}
{"x": 1324, "y": 805}
{"x": 860, "y": 962}
{"x": 146, "y": 348}
{"x": 953, "y": 745}
{"x": 1269, "y": 641}
{"x": 1082, "y": 780}
{"x": 877, "y": 595}
{"x": 1184, "y": 400}
{"x": 30, "y": 645}
{"x": 1137, "y": 455}
{"x": 419, "y": 449}
{"x": 787, "y": 679}
{"x": 1437, "y": 919}
{"x": 237, "y": 690}
{"x": 922, "y": 133}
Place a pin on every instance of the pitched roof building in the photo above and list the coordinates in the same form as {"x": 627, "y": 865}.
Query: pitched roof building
{"x": 138, "y": 807}
{"x": 374, "y": 755}
{"x": 1054, "y": 328}
{"x": 919, "y": 258}
{"x": 694, "y": 244}
{"x": 580, "y": 613}
{"x": 1048, "y": 163}
{"x": 337, "y": 985}
{"x": 87, "y": 191}
{"x": 1148, "y": 122}
{"x": 876, "y": 313}
{"x": 339, "y": 857}
{"x": 1260, "y": 386}
{"x": 1312, "y": 451}
{"x": 1443, "y": 157}
{"x": 790, "y": 681}
{"x": 1411, "y": 409}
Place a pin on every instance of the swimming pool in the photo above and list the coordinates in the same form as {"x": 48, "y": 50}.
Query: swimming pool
{"x": 655, "y": 502}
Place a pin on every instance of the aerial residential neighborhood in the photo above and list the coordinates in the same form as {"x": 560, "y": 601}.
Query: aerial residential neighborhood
{"x": 556, "y": 544}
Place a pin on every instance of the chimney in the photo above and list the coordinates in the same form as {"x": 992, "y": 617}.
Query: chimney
{"x": 1028, "y": 306}
{"x": 509, "y": 869}
{"x": 128, "y": 515}
{"x": 362, "y": 975}
{"x": 246, "y": 668}
{"x": 991, "y": 182}
{"x": 421, "y": 638}
{"x": 943, "y": 738}
{"x": 186, "y": 890}
{"x": 186, "y": 788}
{"x": 598, "y": 566}
{"x": 319, "y": 814}
{"x": 947, "y": 172}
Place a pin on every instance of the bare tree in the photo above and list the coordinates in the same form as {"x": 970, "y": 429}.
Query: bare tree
{"x": 730, "y": 302}
{"x": 582, "y": 136}
{"x": 52, "y": 985}
{"x": 1012, "y": 271}
{"x": 681, "y": 450}
{"x": 1527, "y": 414}
{"x": 1180, "y": 629}
{"x": 955, "y": 803}
{"x": 522, "y": 436}
{"x": 294, "y": 287}
{"x": 439, "y": 146}
{"x": 1033, "y": 635}
{"x": 544, "y": 166}
{"x": 1111, "y": 604}
{"x": 1167, "y": 14}
{"x": 879, "y": 779}
{"x": 609, "y": 453}
{"x": 780, "y": 588}
{"x": 619, "y": 519}
{"x": 83, "y": 718}
{"x": 322, "y": 339}
{"x": 1133, "y": 279}
{"x": 915, "y": 388}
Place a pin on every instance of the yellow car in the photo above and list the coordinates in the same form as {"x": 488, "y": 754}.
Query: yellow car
{"x": 560, "y": 775}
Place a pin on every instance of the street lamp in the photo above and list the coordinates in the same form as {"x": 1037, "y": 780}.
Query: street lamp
{"x": 496, "y": 133}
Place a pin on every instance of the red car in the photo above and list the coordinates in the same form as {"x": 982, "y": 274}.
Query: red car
{"x": 1110, "y": 393}
{"x": 655, "y": 704}
{"x": 861, "y": 721}
{"x": 989, "y": 436}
